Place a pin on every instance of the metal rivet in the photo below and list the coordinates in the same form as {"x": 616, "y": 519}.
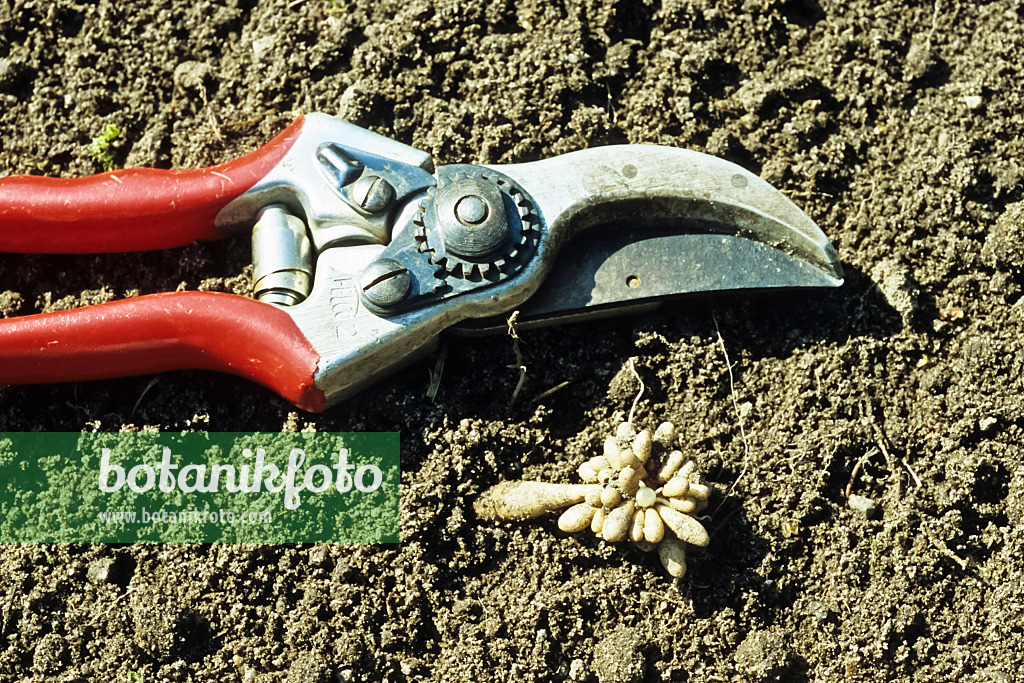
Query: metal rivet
{"x": 471, "y": 210}
{"x": 385, "y": 283}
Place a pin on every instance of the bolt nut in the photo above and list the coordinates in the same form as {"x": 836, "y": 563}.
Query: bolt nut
{"x": 385, "y": 283}
{"x": 472, "y": 217}
{"x": 471, "y": 210}
{"x": 372, "y": 193}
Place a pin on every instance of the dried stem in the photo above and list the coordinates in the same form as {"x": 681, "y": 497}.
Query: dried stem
{"x": 739, "y": 414}
{"x": 519, "y": 357}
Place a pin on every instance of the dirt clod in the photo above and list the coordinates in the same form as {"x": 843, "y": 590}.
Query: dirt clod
{"x": 309, "y": 667}
{"x": 764, "y": 656}
{"x": 899, "y": 288}
{"x": 51, "y": 654}
{"x": 171, "y": 633}
{"x": 1004, "y": 246}
{"x": 618, "y": 657}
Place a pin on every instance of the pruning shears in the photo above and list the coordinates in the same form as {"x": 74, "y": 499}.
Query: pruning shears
{"x": 364, "y": 252}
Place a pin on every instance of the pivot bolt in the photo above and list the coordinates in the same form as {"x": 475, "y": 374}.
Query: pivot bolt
{"x": 385, "y": 283}
{"x": 471, "y": 210}
{"x": 472, "y": 217}
{"x": 372, "y": 193}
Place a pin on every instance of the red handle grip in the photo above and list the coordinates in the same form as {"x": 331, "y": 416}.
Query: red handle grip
{"x": 135, "y": 209}
{"x": 161, "y": 332}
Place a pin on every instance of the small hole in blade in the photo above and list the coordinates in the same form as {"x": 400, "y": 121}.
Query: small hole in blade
{"x": 632, "y": 281}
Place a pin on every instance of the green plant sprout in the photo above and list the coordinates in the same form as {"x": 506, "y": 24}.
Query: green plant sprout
{"x": 100, "y": 147}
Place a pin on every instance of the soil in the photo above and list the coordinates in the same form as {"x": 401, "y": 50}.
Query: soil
{"x": 870, "y": 437}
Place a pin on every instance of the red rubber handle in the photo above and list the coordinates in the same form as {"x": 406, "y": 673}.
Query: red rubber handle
{"x": 161, "y": 332}
{"x": 134, "y": 209}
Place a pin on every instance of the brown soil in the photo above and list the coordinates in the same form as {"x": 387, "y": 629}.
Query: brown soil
{"x": 898, "y": 127}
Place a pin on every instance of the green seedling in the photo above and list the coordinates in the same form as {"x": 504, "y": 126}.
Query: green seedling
{"x": 100, "y": 147}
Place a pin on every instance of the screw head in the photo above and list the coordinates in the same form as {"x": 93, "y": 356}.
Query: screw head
{"x": 385, "y": 283}
{"x": 372, "y": 193}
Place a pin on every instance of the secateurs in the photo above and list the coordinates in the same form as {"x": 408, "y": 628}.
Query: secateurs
{"x": 364, "y": 253}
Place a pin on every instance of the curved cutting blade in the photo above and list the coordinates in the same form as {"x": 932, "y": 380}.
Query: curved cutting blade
{"x": 672, "y": 222}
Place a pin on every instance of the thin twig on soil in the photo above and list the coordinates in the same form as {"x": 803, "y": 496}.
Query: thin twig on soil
{"x": 721, "y": 522}
{"x": 739, "y": 415}
{"x": 214, "y": 126}
{"x": 942, "y": 547}
{"x": 917, "y": 479}
{"x": 632, "y": 410}
{"x": 935, "y": 22}
{"x": 119, "y": 599}
{"x": 857, "y": 468}
{"x": 881, "y": 439}
{"x": 145, "y": 390}
{"x": 519, "y": 357}
{"x": 435, "y": 374}
{"x": 557, "y": 387}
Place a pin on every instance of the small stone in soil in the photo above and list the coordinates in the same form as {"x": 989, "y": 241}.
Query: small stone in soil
{"x": 864, "y": 505}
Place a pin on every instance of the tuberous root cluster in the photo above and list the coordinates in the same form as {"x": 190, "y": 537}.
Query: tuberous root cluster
{"x": 639, "y": 489}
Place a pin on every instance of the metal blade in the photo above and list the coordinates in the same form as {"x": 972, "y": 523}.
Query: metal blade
{"x": 654, "y": 186}
{"x": 628, "y": 270}
{"x": 634, "y": 224}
